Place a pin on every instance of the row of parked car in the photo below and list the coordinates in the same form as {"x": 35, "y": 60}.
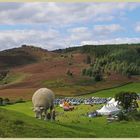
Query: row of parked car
{"x": 88, "y": 101}
{"x": 78, "y": 101}
{"x": 96, "y": 100}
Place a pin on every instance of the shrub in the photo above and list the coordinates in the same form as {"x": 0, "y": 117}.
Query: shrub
{"x": 98, "y": 77}
{"x": 3, "y": 74}
{"x": 1, "y": 101}
{"x": 19, "y": 101}
{"x": 137, "y": 115}
{"x": 6, "y": 100}
{"x": 134, "y": 116}
{"x": 88, "y": 60}
{"x": 84, "y": 72}
{"x": 122, "y": 116}
{"x": 69, "y": 73}
{"x": 70, "y": 63}
{"x": 18, "y": 122}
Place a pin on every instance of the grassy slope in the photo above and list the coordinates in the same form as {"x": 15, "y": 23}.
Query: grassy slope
{"x": 80, "y": 87}
{"x": 51, "y": 73}
{"x": 13, "y": 78}
{"x": 111, "y": 92}
{"x": 62, "y": 86}
{"x": 20, "y": 125}
{"x": 67, "y": 124}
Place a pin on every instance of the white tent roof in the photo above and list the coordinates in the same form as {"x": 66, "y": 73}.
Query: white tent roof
{"x": 108, "y": 109}
{"x": 111, "y": 101}
{"x": 116, "y": 103}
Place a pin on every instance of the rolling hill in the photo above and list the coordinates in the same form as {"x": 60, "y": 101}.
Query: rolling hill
{"x": 27, "y": 68}
{"x": 22, "y": 56}
{"x": 62, "y": 71}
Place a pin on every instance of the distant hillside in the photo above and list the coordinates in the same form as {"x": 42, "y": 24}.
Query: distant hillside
{"x": 68, "y": 72}
{"x": 21, "y": 56}
{"x": 96, "y": 48}
{"x": 106, "y": 59}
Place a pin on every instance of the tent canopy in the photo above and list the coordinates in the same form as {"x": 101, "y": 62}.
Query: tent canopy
{"x": 108, "y": 109}
{"x": 111, "y": 101}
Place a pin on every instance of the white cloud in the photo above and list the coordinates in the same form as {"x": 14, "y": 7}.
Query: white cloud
{"x": 79, "y": 34}
{"x": 107, "y": 29}
{"x": 66, "y": 23}
{"x": 137, "y": 28}
{"x": 52, "y": 39}
{"x": 78, "y": 30}
{"x": 60, "y": 13}
{"x": 14, "y": 38}
{"x": 95, "y": 32}
{"x": 122, "y": 40}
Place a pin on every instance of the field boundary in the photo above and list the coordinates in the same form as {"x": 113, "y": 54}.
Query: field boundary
{"x": 95, "y": 91}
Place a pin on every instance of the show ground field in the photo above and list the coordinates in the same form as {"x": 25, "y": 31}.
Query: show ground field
{"x": 20, "y": 121}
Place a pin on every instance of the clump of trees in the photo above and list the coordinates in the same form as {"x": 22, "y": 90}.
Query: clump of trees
{"x": 20, "y": 100}
{"x": 127, "y": 100}
{"x": 95, "y": 74}
{"x": 4, "y": 101}
{"x": 3, "y": 74}
{"x": 128, "y": 103}
{"x": 88, "y": 60}
{"x": 121, "y": 59}
{"x": 107, "y": 65}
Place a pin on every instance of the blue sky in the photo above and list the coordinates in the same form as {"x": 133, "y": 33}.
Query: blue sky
{"x": 58, "y": 25}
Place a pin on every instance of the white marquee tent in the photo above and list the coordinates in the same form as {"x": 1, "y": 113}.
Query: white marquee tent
{"x": 110, "y": 108}
{"x": 106, "y": 110}
{"x": 111, "y": 101}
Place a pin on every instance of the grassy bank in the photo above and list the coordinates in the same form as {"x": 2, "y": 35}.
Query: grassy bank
{"x": 135, "y": 87}
{"x": 20, "y": 122}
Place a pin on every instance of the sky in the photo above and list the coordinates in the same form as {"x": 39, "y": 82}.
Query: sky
{"x": 54, "y": 25}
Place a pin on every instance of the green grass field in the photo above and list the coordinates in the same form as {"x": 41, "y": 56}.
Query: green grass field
{"x": 135, "y": 87}
{"x": 18, "y": 121}
{"x": 67, "y": 124}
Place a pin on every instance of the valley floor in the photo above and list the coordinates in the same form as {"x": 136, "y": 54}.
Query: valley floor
{"x": 18, "y": 121}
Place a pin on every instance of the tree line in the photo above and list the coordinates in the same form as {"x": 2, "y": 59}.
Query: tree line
{"x": 105, "y": 59}
{"x": 7, "y": 101}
